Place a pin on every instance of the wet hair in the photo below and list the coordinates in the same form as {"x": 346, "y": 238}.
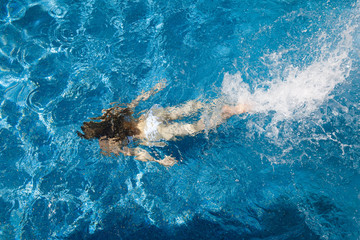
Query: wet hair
{"x": 116, "y": 123}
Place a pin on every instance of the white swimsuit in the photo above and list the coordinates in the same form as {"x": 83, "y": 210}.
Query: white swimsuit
{"x": 151, "y": 128}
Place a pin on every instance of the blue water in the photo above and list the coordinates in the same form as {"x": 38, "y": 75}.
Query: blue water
{"x": 290, "y": 169}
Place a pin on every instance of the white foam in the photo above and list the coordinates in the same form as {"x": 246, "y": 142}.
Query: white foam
{"x": 296, "y": 91}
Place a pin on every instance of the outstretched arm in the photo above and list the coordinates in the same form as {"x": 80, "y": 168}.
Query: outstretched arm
{"x": 143, "y": 155}
{"x": 145, "y": 95}
{"x": 109, "y": 146}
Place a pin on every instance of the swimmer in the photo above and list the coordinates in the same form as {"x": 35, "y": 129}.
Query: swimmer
{"x": 117, "y": 127}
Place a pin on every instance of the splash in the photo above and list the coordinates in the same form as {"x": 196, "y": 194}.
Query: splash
{"x": 295, "y": 91}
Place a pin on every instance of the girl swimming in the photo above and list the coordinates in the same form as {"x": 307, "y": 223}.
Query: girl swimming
{"x": 117, "y": 127}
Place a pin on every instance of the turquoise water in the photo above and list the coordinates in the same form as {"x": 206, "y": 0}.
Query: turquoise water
{"x": 290, "y": 169}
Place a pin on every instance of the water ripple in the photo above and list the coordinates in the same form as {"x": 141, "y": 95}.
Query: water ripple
{"x": 64, "y": 34}
{"x": 10, "y": 39}
{"x": 58, "y": 11}
{"x": 15, "y": 9}
{"x": 117, "y": 22}
{"x": 35, "y": 24}
{"x": 31, "y": 53}
{"x": 36, "y": 107}
{"x": 80, "y": 50}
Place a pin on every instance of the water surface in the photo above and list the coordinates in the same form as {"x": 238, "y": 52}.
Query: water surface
{"x": 288, "y": 170}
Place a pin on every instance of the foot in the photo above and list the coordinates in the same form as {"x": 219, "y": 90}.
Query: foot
{"x": 228, "y": 111}
{"x": 168, "y": 161}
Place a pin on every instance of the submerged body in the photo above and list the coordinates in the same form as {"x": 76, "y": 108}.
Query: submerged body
{"x": 155, "y": 127}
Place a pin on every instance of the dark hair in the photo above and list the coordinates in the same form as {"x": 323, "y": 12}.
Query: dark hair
{"x": 116, "y": 123}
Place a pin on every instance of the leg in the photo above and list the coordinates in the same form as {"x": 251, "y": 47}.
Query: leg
{"x": 171, "y": 131}
{"x": 187, "y": 109}
{"x": 215, "y": 119}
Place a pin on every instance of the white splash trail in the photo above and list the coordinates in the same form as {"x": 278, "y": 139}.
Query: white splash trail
{"x": 297, "y": 91}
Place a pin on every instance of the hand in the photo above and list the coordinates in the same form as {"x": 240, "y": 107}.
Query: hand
{"x": 168, "y": 161}
{"x": 160, "y": 85}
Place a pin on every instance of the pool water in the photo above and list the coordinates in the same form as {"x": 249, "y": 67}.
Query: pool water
{"x": 289, "y": 169}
